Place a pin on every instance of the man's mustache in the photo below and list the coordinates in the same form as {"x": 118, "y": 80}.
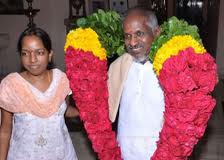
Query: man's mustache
{"x": 131, "y": 47}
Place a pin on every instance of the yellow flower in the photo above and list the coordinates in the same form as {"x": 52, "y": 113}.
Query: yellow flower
{"x": 87, "y": 40}
{"x": 172, "y": 47}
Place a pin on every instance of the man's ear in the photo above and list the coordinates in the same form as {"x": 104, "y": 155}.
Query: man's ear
{"x": 157, "y": 31}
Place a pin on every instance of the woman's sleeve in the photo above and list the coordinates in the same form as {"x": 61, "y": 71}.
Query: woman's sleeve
{"x": 7, "y": 97}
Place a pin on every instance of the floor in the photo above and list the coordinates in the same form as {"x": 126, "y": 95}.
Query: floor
{"x": 82, "y": 146}
{"x": 210, "y": 147}
{"x": 80, "y": 140}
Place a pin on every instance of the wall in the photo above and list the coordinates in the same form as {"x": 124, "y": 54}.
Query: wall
{"x": 51, "y": 18}
{"x": 132, "y": 3}
{"x": 11, "y": 25}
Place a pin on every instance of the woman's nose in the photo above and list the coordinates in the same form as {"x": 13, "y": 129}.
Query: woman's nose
{"x": 33, "y": 57}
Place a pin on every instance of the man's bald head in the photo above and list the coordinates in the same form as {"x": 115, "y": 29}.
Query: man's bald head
{"x": 149, "y": 16}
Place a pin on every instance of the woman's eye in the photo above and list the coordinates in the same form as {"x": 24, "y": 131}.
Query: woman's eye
{"x": 40, "y": 52}
{"x": 23, "y": 53}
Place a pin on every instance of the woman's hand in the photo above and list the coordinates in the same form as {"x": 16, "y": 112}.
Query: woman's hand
{"x": 5, "y": 133}
{"x": 71, "y": 111}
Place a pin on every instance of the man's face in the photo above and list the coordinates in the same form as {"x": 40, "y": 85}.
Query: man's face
{"x": 138, "y": 37}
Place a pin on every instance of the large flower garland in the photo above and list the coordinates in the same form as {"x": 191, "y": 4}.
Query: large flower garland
{"x": 86, "y": 68}
{"x": 187, "y": 80}
{"x": 187, "y": 74}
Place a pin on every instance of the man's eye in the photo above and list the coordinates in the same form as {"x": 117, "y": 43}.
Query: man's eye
{"x": 127, "y": 36}
{"x": 140, "y": 34}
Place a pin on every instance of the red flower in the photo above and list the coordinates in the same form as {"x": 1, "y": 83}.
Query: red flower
{"x": 188, "y": 80}
{"x": 88, "y": 81}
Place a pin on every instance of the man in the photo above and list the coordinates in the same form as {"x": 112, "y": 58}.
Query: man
{"x": 134, "y": 87}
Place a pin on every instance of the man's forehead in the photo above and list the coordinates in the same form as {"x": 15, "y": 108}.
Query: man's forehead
{"x": 134, "y": 18}
{"x": 135, "y": 24}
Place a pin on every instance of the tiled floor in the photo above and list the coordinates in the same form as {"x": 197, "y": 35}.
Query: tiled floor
{"x": 210, "y": 147}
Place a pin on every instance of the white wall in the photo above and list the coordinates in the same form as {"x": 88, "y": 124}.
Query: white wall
{"x": 50, "y": 18}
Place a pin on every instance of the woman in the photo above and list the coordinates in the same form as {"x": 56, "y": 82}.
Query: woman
{"x": 33, "y": 105}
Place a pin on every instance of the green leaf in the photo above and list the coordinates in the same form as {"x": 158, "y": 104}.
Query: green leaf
{"x": 120, "y": 50}
{"x": 108, "y": 25}
{"x": 82, "y": 22}
{"x": 100, "y": 11}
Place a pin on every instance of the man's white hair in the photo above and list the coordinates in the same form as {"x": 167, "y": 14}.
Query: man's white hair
{"x": 151, "y": 19}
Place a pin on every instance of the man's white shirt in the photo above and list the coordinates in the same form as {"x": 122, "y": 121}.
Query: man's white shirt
{"x": 141, "y": 110}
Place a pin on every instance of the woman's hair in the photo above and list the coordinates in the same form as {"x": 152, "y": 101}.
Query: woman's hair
{"x": 38, "y": 32}
{"x": 42, "y": 35}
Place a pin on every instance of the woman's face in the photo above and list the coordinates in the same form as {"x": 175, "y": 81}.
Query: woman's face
{"x": 34, "y": 56}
